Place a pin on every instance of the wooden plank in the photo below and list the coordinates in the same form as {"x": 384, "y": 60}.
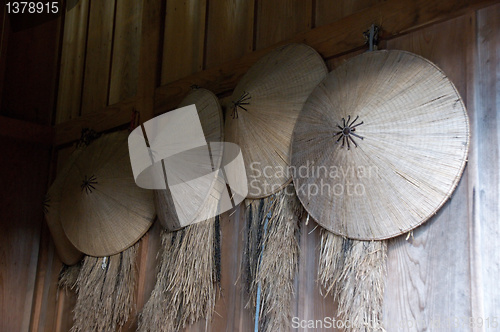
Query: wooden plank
{"x": 281, "y": 20}
{"x": 24, "y": 180}
{"x": 98, "y": 56}
{"x": 72, "y": 64}
{"x": 184, "y": 39}
{"x": 310, "y": 304}
{"x": 486, "y": 155}
{"x": 234, "y": 20}
{"x": 428, "y": 281}
{"x": 26, "y": 131}
{"x": 65, "y": 304}
{"x": 31, "y": 63}
{"x": 334, "y": 39}
{"x": 4, "y": 38}
{"x": 44, "y": 315}
{"x": 327, "y": 11}
{"x": 126, "y": 51}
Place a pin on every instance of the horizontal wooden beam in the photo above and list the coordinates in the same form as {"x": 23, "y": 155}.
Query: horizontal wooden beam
{"x": 26, "y": 131}
{"x": 395, "y": 17}
{"x": 108, "y": 118}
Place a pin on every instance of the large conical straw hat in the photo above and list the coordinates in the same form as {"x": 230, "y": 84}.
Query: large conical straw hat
{"x": 103, "y": 211}
{"x": 380, "y": 145}
{"x": 205, "y": 199}
{"x": 67, "y": 252}
{"x": 266, "y": 103}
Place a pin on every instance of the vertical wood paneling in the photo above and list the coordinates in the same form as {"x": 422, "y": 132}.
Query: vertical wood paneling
{"x": 24, "y": 183}
{"x": 310, "y": 304}
{"x": 231, "y": 312}
{"x": 49, "y": 311}
{"x": 147, "y": 80}
{"x": 184, "y": 39}
{"x": 44, "y": 318}
{"x": 281, "y": 20}
{"x": 328, "y": 11}
{"x": 98, "y": 56}
{"x": 65, "y": 304}
{"x": 30, "y": 70}
{"x": 4, "y": 38}
{"x": 74, "y": 41}
{"x": 486, "y": 190}
{"x": 126, "y": 49}
{"x": 229, "y": 30}
{"x": 429, "y": 278}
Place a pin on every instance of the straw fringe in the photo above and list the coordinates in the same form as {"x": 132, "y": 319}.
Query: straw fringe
{"x": 279, "y": 259}
{"x": 68, "y": 276}
{"x": 185, "y": 289}
{"x": 105, "y": 287}
{"x": 354, "y": 272}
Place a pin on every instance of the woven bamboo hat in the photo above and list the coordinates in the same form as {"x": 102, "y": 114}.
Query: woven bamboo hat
{"x": 266, "y": 103}
{"x": 380, "y": 145}
{"x": 103, "y": 211}
{"x": 67, "y": 252}
{"x": 207, "y": 195}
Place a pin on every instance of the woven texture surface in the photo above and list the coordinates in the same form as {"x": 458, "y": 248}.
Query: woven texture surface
{"x": 415, "y": 138}
{"x": 206, "y": 199}
{"x": 271, "y": 95}
{"x": 103, "y": 211}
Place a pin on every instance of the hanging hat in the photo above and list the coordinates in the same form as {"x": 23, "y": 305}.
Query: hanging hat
{"x": 266, "y": 103}
{"x": 67, "y": 252}
{"x": 205, "y": 198}
{"x": 380, "y": 145}
{"x": 103, "y": 211}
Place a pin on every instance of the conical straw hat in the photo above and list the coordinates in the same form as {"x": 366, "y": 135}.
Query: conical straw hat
{"x": 207, "y": 196}
{"x": 266, "y": 103}
{"x": 103, "y": 211}
{"x": 67, "y": 252}
{"x": 412, "y": 135}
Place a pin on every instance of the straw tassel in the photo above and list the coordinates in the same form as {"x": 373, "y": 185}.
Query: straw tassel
{"x": 186, "y": 285}
{"x": 69, "y": 275}
{"x": 272, "y": 256}
{"x": 105, "y": 288}
{"x": 354, "y": 272}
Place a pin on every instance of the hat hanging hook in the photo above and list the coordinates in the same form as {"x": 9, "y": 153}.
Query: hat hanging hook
{"x": 371, "y": 37}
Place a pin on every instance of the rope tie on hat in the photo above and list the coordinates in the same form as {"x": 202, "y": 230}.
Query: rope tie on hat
{"x": 88, "y": 184}
{"x": 243, "y": 100}
{"x": 87, "y": 136}
{"x": 347, "y": 132}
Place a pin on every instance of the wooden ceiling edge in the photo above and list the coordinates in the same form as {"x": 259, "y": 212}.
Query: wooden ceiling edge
{"x": 395, "y": 17}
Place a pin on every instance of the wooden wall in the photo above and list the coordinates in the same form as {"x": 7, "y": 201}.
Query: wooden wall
{"x": 122, "y": 55}
{"x": 28, "y": 78}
